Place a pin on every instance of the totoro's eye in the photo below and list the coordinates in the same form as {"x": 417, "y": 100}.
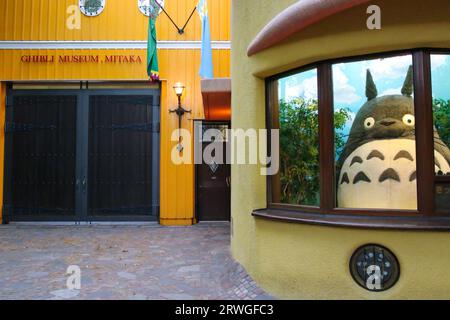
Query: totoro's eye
{"x": 409, "y": 120}
{"x": 369, "y": 123}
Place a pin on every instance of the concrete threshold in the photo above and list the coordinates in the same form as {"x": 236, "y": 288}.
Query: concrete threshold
{"x": 153, "y": 224}
{"x": 83, "y": 223}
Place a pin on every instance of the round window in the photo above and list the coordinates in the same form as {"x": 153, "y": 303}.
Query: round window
{"x": 374, "y": 267}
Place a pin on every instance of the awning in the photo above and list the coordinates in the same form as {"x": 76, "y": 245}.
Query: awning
{"x": 217, "y": 98}
{"x": 296, "y": 18}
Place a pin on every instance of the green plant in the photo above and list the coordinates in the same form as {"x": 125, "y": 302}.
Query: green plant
{"x": 92, "y": 5}
{"x": 441, "y": 115}
{"x": 299, "y": 149}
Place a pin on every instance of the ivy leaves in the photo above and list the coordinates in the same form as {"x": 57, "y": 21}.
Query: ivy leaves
{"x": 299, "y": 149}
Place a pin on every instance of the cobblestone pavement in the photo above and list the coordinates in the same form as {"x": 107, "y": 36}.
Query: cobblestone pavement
{"x": 122, "y": 262}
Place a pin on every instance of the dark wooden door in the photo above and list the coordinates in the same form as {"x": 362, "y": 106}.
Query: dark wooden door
{"x": 40, "y": 157}
{"x": 122, "y": 161}
{"x": 213, "y": 183}
{"x": 82, "y": 155}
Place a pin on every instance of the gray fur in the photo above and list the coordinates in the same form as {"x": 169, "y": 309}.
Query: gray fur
{"x": 389, "y": 174}
{"x": 375, "y": 154}
{"x": 356, "y": 160}
{"x": 388, "y": 112}
{"x": 371, "y": 87}
{"x": 361, "y": 176}
{"x": 408, "y": 88}
{"x": 404, "y": 155}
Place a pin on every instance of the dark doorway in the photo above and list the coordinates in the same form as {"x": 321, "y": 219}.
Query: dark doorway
{"x": 213, "y": 178}
{"x": 41, "y": 148}
{"x": 82, "y": 155}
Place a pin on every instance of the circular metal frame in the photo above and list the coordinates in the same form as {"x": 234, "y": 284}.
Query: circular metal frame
{"x": 83, "y": 8}
{"x": 144, "y": 6}
{"x": 373, "y": 250}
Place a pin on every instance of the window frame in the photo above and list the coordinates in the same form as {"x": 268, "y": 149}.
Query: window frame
{"x": 426, "y": 216}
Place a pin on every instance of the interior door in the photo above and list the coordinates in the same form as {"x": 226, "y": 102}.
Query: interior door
{"x": 213, "y": 179}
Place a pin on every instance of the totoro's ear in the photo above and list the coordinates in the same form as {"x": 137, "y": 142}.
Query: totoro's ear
{"x": 407, "y": 89}
{"x": 371, "y": 88}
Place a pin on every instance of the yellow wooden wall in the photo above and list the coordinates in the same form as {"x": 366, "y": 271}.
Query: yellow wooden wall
{"x": 121, "y": 20}
{"x": 172, "y": 62}
{"x": 2, "y": 137}
{"x": 177, "y": 182}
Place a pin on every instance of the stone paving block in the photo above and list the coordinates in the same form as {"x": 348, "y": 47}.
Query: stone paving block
{"x": 36, "y": 274}
{"x": 126, "y": 275}
{"x": 65, "y": 293}
{"x": 177, "y": 296}
{"x": 189, "y": 269}
{"x": 122, "y": 262}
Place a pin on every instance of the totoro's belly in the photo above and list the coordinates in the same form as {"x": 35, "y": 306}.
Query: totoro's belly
{"x": 381, "y": 174}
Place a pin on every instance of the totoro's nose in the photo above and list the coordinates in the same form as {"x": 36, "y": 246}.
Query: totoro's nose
{"x": 387, "y": 123}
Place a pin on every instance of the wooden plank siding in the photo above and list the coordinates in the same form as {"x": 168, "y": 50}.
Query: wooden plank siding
{"x": 44, "y": 20}
{"x": 2, "y": 139}
{"x": 121, "y": 20}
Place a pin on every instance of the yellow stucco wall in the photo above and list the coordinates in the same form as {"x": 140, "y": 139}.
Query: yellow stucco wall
{"x": 305, "y": 261}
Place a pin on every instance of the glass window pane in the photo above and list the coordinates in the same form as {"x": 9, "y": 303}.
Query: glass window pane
{"x": 375, "y": 134}
{"x": 297, "y": 111}
{"x": 440, "y": 72}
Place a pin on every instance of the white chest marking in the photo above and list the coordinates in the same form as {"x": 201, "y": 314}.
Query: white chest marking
{"x": 382, "y": 174}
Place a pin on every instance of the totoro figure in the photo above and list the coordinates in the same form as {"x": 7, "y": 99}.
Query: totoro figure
{"x": 377, "y": 168}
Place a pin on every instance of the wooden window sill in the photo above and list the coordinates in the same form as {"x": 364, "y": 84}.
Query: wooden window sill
{"x": 357, "y": 221}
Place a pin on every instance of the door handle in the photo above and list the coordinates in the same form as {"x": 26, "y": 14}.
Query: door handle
{"x": 84, "y": 185}
{"x": 228, "y": 181}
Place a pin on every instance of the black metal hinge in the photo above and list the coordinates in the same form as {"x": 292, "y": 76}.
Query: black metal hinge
{"x": 148, "y": 127}
{"x": 12, "y": 210}
{"x": 8, "y": 101}
{"x": 127, "y": 210}
{"x": 11, "y": 127}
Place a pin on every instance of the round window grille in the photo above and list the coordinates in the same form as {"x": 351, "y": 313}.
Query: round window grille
{"x": 374, "y": 267}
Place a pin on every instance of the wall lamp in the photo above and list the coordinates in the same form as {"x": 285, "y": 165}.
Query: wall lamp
{"x": 180, "y": 111}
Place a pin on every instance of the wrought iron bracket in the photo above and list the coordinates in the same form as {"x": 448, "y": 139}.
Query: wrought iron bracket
{"x": 180, "y": 111}
{"x": 180, "y": 30}
{"x": 147, "y": 127}
{"x": 11, "y": 127}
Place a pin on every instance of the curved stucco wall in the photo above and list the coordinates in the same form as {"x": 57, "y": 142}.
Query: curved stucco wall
{"x": 306, "y": 261}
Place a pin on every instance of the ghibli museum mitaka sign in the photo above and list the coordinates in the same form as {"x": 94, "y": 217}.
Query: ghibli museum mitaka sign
{"x": 81, "y": 59}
